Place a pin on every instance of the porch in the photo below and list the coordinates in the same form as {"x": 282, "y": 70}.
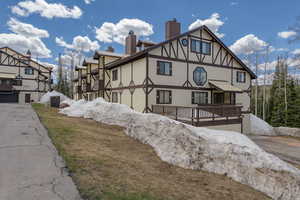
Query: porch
{"x": 202, "y": 115}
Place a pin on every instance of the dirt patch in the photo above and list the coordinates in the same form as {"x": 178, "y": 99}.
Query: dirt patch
{"x": 107, "y": 164}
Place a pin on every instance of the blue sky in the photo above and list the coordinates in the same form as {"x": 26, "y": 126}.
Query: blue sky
{"x": 263, "y": 20}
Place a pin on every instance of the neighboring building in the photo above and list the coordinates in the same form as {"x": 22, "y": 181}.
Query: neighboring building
{"x": 91, "y": 76}
{"x": 191, "y": 76}
{"x": 22, "y": 80}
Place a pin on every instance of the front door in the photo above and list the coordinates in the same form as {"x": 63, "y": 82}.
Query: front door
{"x": 218, "y": 98}
{"x": 27, "y": 98}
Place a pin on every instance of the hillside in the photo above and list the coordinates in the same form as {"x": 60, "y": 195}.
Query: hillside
{"x": 107, "y": 164}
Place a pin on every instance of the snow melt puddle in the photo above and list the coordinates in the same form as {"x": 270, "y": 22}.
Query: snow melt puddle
{"x": 222, "y": 152}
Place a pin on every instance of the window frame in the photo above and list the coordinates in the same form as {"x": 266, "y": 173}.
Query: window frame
{"x": 17, "y": 82}
{"x": 201, "y": 47}
{"x": 114, "y": 99}
{"x": 238, "y": 77}
{"x": 26, "y": 71}
{"x": 159, "y": 92}
{"x": 114, "y": 75}
{"x": 200, "y": 92}
{"x": 158, "y": 72}
{"x": 203, "y": 71}
{"x": 209, "y": 43}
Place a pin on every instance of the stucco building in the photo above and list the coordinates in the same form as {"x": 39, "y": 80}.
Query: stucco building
{"x": 192, "y": 77}
{"x": 22, "y": 79}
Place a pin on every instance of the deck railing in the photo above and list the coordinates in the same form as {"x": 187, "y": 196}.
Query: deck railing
{"x": 6, "y": 87}
{"x": 202, "y": 115}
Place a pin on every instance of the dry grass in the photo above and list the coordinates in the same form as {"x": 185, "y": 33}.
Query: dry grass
{"x": 106, "y": 164}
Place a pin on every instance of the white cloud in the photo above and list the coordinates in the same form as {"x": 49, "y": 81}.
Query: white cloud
{"x": 88, "y": 1}
{"x": 296, "y": 52}
{"x": 45, "y": 9}
{"x": 213, "y": 23}
{"x": 79, "y": 43}
{"x": 25, "y": 37}
{"x": 110, "y": 32}
{"x": 22, "y": 43}
{"x": 234, "y": 3}
{"x": 286, "y": 34}
{"x": 27, "y": 30}
{"x": 248, "y": 44}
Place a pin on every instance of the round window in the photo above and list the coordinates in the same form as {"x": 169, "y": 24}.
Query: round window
{"x": 184, "y": 42}
{"x": 200, "y": 76}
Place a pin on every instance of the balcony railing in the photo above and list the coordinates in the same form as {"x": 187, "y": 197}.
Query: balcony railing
{"x": 202, "y": 115}
{"x": 98, "y": 85}
{"x": 6, "y": 87}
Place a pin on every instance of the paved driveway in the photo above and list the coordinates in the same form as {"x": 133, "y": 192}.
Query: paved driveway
{"x": 286, "y": 148}
{"x": 30, "y": 168}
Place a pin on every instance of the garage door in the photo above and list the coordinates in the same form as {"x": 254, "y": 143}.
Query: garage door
{"x": 9, "y": 97}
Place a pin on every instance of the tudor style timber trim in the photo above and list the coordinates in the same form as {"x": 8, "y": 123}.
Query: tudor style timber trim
{"x": 143, "y": 53}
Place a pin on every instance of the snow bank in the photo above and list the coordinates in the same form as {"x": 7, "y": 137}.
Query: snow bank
{"x": 46, "y": 97}
{"x": 222, "y": 152}
{"x": 286, "y": 131}
{"x": 260, "y": 127}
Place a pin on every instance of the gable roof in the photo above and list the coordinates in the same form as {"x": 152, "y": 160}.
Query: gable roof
{"x": 143, "y": 53}
{"x": 107, "y": 53}
{"x": 24, "y": 56}
{"x": 87, "y": 61}
{"x": 22, "y": 61}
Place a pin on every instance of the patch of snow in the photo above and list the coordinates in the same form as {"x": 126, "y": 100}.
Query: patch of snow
{"x": 286, "y": 131}
{"x": 221, "y": 152}
{"x": 260, "y": 127}
{"x": 45, "y": 99}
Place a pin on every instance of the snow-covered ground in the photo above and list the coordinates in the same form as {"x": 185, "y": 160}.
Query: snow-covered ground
{"x": 260, "y": 127}
{"x": 286, "y": 131}
{"x": 45, "y": 99}
{"x": 229, "y": 153}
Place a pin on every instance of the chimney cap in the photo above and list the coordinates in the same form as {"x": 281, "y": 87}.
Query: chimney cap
{"x": 131, "y": 32}
{"x": 28, "y": 53}
{"x": 110, "y": 49}
{"x": 174, "y": 19}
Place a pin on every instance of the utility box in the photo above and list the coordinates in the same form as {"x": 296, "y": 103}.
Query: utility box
{"x": 55, "y": 101}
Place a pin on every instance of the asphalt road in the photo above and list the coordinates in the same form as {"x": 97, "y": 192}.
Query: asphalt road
{"x": 286, "y": 148}
{"x": 30, "y": 168}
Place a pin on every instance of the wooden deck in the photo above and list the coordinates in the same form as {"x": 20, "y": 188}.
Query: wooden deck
{"x": 202, "y": 115}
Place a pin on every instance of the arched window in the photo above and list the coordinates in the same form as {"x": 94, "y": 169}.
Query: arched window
{"x": 200, "y": 76}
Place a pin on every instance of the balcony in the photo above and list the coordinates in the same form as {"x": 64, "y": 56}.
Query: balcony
{"x": 98, "y": 85}
{"x": 202, "y": 115}
{"x": 86, "y": 87}
{"x": 6, "y": 87}
{"x": 78, "y": 89}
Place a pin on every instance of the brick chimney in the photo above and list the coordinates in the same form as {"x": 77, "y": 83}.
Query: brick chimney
{"x": 172, "y": 29}
{"x": 110, "y": 49}
{"x": 130, "y": 43}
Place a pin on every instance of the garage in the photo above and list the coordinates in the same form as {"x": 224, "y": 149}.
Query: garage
{"x": 9, "y": 97}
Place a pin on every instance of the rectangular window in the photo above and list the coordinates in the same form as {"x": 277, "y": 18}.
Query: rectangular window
{"x": 17, "y": 82}
{"x": 232, "y": 99}
{"x": 205, "y": 47}
{"x": 115, "y": 75}
{"x": 28, "y": 71}
{"x": 196, "y": 46}
{"x": 163, "y": 96}
{"x": 199, "y": 97}
{"x": 240, "y": 77}
{"x": 164, "y": 68}
{"x": 202, "y": 47}
{"x": 114, "y": 97}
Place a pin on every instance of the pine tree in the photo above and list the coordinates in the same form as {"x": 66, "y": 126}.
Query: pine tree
{"x": 293, "y": 112}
